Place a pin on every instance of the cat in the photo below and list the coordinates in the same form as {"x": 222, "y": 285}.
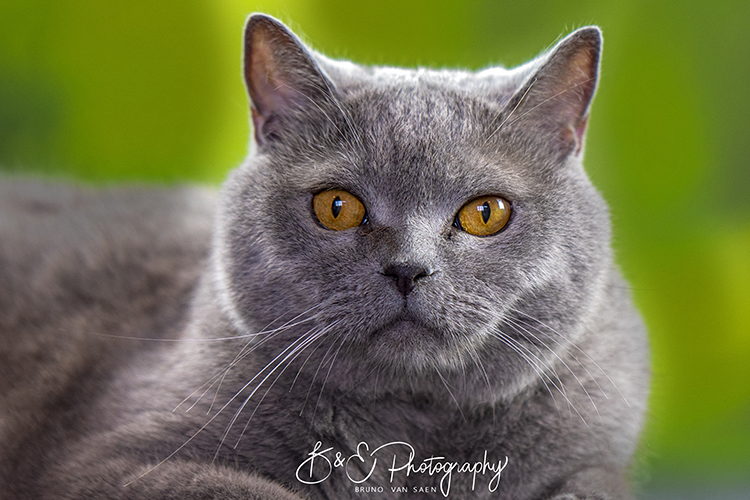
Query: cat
{"x": 407, "y": 290}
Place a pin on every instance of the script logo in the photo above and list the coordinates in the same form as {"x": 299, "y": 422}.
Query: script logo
{"x": 398, "y": 459}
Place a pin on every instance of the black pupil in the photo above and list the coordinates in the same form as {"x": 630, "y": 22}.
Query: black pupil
{"x": 336, "y": 207}
{"x": 486, "y": 210}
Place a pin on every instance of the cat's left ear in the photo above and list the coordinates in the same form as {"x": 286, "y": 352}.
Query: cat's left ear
{"x": 556, "y": 98}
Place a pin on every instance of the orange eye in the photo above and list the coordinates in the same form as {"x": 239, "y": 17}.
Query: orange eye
{"x": 484, "y": 216}
{"x": 338, "y": 210}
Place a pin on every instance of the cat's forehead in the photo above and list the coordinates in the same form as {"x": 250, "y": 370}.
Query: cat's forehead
{"x": 416, "y": 116}
{"x": 393, "y": 118}
{"x": 425, "y": 125}
{"x": 422, "y": 109}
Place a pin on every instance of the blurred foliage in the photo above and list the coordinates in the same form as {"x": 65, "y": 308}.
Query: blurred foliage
{"x": 151, "y": 91}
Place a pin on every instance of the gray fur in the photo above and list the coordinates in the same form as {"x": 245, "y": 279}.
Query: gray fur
{"x": 524, "y": 344}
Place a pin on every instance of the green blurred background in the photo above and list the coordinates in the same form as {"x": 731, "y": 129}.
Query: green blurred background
{"x": 151, "y": 91}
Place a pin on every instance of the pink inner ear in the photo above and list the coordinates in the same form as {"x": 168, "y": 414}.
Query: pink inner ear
{"x": 260, "y": 76}
{"x": 258, "y": 122}
{"x": 580, "y": 81}
{"x": 269, "y": 93}
{"x": 268, "y": 90}
{"x": 580, "y": 78}
{"x": 579, "y": 132}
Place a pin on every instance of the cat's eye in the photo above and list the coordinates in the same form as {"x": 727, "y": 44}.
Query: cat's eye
{"x": 484, "y": 216}
{"x": 338, "y": 210}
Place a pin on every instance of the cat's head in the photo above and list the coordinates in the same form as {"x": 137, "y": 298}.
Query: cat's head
{"x": 419, "y": 218}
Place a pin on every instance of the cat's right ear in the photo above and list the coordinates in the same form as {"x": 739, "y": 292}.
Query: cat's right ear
{"x": 281, "y": 77}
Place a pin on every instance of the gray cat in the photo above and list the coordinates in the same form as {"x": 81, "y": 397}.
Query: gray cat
{"x": 407, "y": 291}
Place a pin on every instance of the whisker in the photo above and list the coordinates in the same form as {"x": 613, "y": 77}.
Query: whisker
{"x": 244, "y": 351}
{"x": 572, "y": 87}
{"x": 518, "y": 328}
{"x": 328, "y": 373}
{"x": 447, "y": 388}
{"x": 511, "y": 113}
{"x": 460, "y": 358}
{"x": 573, "y": 344}
{"x": 315, "y": 375}
{"x": 516, "y": 325}
{"x": 302, "y": 367}
{"x": 516, "y": 346}
{"x": 478, "y": 362}
{"x": 297, "y": 351}
{"x": 598, "y": 443}
{"x": 270, "y": 334}
{"x": 293, "y": 346}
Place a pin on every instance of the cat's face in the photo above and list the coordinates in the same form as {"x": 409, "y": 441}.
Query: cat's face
{"x": 405, "y": 283}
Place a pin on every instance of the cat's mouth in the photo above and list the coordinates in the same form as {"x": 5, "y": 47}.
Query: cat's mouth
{"x": 406, "y": 332}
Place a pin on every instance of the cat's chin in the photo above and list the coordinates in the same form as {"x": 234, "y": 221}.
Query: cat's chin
{"x": 406, "y": 332}
{"x": 408, "y": 343}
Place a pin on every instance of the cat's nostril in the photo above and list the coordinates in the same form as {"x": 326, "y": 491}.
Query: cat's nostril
{"x": 406, "y": 275}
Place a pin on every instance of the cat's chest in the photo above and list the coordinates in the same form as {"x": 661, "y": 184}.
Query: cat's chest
{"x": 393, "y": 449}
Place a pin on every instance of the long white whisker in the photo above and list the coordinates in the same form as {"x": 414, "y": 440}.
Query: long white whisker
{"x": 328, "y": 373}
{"x": 315, "y": 375}
{"x": 518, "y": 329}
{"x": 575, "y": 347}
{"x": 447, "y": 388}
{"x": 304, "y": 363}
{"x": 242, "y": 353}
{"x": 560, "y": 389}
{"x": 504, "y": 338}
{"x": 293, "y": 346}
{"x": 478, "y": 362}
{"x": 296, "y": 352}
{"x": 511, "y": 113}
{"x": 270, "y": 334}
{"x": 553, "y": 97}
{"x": 517, "y": 325}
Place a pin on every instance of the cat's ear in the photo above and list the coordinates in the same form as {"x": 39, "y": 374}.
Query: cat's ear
{"x": 281, "y": 76}
{"x": 555, "y": 99}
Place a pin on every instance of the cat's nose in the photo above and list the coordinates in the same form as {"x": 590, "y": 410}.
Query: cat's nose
{"x": 405, "y": 275}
